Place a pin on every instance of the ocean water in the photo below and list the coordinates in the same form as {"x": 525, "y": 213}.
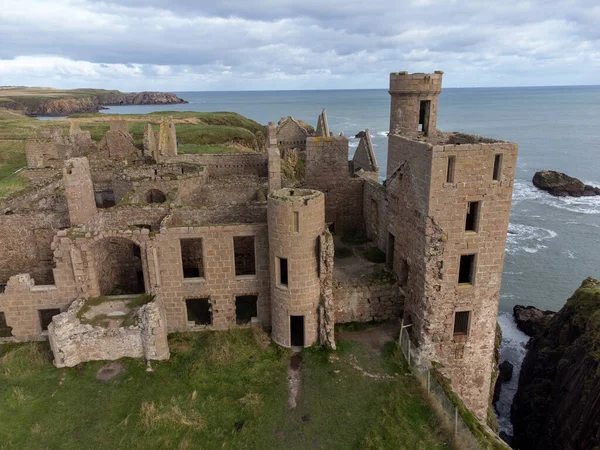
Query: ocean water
{"x": 553, "y": 243}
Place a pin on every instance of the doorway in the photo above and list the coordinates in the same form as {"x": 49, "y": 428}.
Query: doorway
{"x": 297, "y": 331}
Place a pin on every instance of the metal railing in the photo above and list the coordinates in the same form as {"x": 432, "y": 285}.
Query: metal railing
{"x": 445, "y": 409}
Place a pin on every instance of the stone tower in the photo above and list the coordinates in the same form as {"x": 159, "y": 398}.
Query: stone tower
{"x": 296, "y": 219}
{"x": 449, "y": 210}
{"x": 414, "y": 101}
{"x": 79, "y": 190}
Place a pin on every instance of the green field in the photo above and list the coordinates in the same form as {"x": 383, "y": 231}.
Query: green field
{"x": 219, "y": 390}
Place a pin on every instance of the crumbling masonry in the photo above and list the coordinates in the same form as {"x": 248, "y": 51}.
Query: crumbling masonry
{"x": 225, "y": 241}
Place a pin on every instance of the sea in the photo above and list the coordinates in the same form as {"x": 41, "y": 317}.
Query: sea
{"x": 553, "y": 243}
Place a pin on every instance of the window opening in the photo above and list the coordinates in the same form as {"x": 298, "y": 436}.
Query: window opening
{"x": 450, "y": 169}
{"x": 497, "y": 167}
{"x": 245, "y": 308}
{"x": 243, "y": 252}
{"x": 191, "y": 258}
{"x": 472, "y": 216}
{"x": 283, "y": 271}
{"x": 199, "y": 311}
{"x": 466, "y": 270}
{"x": 46, "y": 316}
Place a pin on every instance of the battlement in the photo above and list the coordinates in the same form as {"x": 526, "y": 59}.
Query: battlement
{"x": 416, "y": 83}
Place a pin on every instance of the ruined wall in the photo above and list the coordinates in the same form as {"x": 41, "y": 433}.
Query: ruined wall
{"x": 255, "y": 212}
{"x": 79, "y": 190}
{"x": 296, "y": 221}
{"x": 290, "y": 134}
{"x": 407, "y": 195}
{"x": 167, "y": 138}
{"x": 219, "y": 283}
{"x": 223, "y": 165}
{"x": 116, "y": 144}
{"x": 467, "y": 361}
{"x": 73, "y": 342}
{"x": 231, "y": 190}
{"x": 365, "y": 303}
{"x": 22, "y": 299}
{"x": 45, "y": 154}
{"x": 327, "y": 170}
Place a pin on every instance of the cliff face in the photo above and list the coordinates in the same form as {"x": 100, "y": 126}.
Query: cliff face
{"x": 48, "y": 102}
{"x": 557, "y": 405}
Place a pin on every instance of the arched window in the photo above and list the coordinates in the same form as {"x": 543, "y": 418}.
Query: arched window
{"x": 155, "y": 196}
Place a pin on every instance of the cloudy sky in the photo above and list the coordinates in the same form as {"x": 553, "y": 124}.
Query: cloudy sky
{"x": 308, "y": 44}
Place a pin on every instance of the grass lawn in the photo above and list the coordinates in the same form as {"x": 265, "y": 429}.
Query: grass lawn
{"x": 219, "y": 390}
{"x": 12, "y": 158}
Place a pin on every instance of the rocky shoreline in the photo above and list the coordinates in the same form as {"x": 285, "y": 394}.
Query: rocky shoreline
{"x": 94, "y": 102}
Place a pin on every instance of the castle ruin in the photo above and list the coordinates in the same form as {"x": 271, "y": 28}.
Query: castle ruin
{"x": 115, "y": 246}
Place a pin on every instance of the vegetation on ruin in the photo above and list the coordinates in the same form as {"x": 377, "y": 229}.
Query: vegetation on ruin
{"x": 197, "y": 133}
{"x": 219, "y": 390}
{"x": 485, "y": 438}
{"x": 133, "y": 303}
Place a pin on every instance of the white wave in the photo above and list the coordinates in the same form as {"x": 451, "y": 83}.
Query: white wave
{"x": 353, "y": 144}
{"x": 525, "y": 190}
{"x": 527, "y": 238}
{"x": 569, "y": 254}
{"x": 382, "y": 133}
{"x": 512, "y": 349}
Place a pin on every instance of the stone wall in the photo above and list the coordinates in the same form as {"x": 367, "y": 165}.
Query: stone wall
{"x": 219, "y": 284}
{"x": 290, "y": 134}
{"x": 73, "y": 342}
{"x": 327, "y": 170}
{"x": 466, "y": 360}
{"x": 45, "y": 154}
{"x": 223, "y": 165}
{"x": 407, "y": 92}
{"x": 79, "y": 190}
{"x": 366, "y": 303}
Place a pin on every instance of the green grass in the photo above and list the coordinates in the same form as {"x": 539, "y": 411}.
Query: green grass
{"x": 12, "y": 158}
{"x": 213, "y": 381}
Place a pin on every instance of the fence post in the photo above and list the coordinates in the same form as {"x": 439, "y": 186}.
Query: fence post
{"x": 455, "y": 421}
{"x": 428, "y": 381}
{"x": 408, "y": 352}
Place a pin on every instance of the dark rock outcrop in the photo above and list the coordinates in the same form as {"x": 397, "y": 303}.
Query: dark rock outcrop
{"x": 360, "y": 134}
{"x": 557, "y": 405}
{"x": 562, "y": 185}
{"x": 531, "y": 320}
{"x": 505, "y": 372}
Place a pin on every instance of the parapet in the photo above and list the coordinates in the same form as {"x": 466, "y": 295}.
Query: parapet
{"x": 416, "y": 83}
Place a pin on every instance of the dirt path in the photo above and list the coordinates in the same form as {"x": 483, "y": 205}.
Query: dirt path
{"x": 374, "y": 338}
{"x": 294, "y": 379}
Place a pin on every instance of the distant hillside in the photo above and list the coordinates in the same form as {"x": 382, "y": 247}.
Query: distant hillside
{"x": 40, "y": 101}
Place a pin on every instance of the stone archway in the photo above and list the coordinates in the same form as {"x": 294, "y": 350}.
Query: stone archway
{"x": 119, "y": 269}
{"x": 155, "y": 196}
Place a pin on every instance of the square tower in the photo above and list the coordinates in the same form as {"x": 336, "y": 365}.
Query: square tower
{"x": 449, "y": 197}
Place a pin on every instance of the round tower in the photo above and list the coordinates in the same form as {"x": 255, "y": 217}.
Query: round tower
{"x": 414, "y": 101}
{"x": 296, "y": 219}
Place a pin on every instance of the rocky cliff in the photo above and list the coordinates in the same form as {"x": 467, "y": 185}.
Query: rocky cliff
{"x": 53, "y": 102}
{"x": 557, "y": 405}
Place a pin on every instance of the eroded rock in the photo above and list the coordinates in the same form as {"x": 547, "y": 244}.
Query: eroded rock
{"x": 531, "y": 320}
{"x": 562, "y": 185}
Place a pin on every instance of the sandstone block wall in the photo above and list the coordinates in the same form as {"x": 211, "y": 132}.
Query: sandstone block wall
{"x": 290, "y": 134}
{"x": 467, "y": 363}
{"x": 407, "y": 92}
{"x": 45, "y": 154}
{"x": 296, "y": 219}
{"x": 223, "y": 165}
{"x": 327, "y": 170}
{"x": 219, "y": 282}
{"x": 365, "y": 303}
{"x": 73, "y": 342}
